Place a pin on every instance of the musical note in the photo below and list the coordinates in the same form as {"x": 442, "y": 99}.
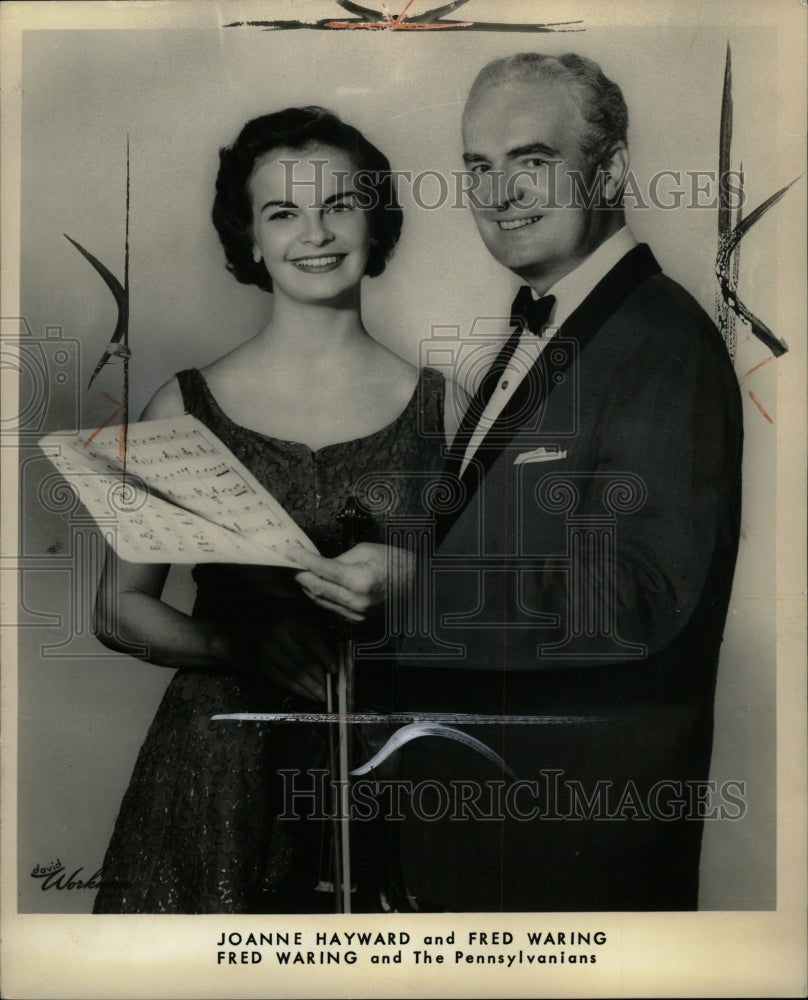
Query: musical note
{"x": 196, "y": 500}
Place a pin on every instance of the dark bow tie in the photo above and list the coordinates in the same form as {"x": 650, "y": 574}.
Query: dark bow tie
{"x": 529, "y": 313}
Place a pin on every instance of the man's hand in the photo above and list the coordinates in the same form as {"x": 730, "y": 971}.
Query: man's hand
{"x": 355, "y": 582}
{"x": 296, "y": 656}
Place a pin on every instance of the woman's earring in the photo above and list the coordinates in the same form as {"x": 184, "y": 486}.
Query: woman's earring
{"x": 256, "y": 255}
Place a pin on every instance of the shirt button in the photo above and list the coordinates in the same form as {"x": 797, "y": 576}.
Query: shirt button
{"x": 505, "y": 384}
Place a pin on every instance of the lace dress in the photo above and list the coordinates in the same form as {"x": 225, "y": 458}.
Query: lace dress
{"x": 198, "y": 830}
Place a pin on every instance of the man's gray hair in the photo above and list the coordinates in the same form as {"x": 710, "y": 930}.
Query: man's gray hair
{"x": 600, "y": 101}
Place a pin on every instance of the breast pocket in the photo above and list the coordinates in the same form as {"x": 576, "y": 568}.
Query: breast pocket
{"x": 540, "y": 455}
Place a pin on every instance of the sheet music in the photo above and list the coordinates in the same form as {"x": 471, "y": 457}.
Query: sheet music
{"x": 184, "y": 497}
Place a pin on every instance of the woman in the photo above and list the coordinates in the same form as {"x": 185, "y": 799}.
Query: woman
{"x": 311, "y": 405}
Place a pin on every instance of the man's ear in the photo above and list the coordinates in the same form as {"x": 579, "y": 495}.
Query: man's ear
{"x": 614, "y": 173}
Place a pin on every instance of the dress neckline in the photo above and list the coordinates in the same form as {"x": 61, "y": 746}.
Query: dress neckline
{"x": 301, "y": 445}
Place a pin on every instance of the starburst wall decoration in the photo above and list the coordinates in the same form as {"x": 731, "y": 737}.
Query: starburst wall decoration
{"x": 369, "y": 19}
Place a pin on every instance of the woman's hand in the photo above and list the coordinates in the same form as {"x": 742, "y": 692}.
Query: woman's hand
{"x": 296, "y": 656}
{"x": 356, "y": 581}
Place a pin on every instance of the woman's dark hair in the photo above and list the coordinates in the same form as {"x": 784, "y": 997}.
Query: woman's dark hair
{"x": 299, "y": 128}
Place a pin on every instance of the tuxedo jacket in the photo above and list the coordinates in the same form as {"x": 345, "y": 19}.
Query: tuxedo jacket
{"x": 583, "y": 579}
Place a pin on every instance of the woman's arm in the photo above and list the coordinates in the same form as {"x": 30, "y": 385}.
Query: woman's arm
{"x": 128, "y": 610}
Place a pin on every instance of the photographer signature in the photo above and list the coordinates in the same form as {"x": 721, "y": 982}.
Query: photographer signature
{"x": 54, "y": 876}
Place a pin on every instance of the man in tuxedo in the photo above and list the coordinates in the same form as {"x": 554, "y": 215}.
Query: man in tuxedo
{"x": 578, "y": 589}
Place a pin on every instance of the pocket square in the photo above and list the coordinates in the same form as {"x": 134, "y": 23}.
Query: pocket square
{"x": 539, "y": 455}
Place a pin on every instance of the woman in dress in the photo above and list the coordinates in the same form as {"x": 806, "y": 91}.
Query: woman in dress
{"x": 312, "y": 405}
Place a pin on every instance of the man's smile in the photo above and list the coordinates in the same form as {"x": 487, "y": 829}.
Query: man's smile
{"x": 508, "y": 224}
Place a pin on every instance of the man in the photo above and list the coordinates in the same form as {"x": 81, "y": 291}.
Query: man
{"x": 581, "y": 586}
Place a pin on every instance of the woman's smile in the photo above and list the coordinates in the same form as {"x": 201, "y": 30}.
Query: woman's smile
{"x": 320, "y": 264}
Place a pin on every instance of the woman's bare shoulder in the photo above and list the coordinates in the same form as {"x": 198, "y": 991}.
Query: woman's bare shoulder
{"x": 166, "y": 402}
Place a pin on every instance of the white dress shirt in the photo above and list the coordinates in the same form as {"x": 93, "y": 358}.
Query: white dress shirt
{"x": 569, "y": 291}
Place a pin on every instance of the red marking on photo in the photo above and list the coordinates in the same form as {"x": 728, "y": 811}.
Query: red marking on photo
{"x": 109, "y": 419}
{"x": 760, "y": 364}
{"x": 754, "y": 399}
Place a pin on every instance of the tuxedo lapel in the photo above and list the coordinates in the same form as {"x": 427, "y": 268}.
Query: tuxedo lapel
{"x": 628, "y": 273}
{"x": 476, "y": 406}
{"x": 632, "y": 270}
{"x": 581, "y": 326}
{"x": 526, "y": 314}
